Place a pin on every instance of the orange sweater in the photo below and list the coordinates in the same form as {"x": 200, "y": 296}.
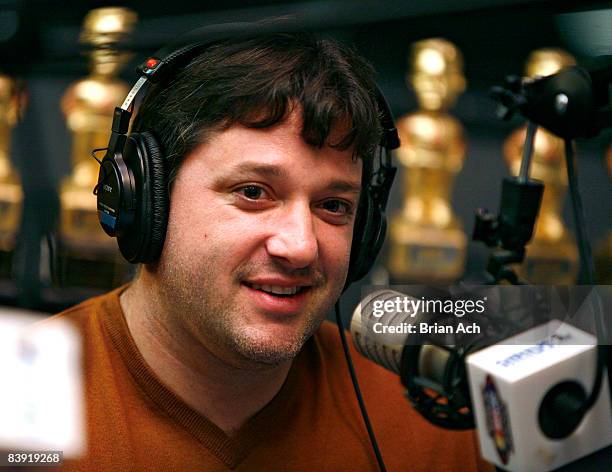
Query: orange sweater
{"x": 135, "y": 423}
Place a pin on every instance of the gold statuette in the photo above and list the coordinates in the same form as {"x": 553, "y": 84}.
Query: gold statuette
{"x": 88, "y": 106}
{"x": 427, "y": 241}
{"x": 12, "y": 102}
{"x": 552, "y": 256}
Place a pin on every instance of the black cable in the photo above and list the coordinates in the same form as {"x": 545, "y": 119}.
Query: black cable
{"x": 584, "y": 246}
{"x": 101, "y": 181}
{"x": 93, "y": 153}
{"x": 364, "y": 413}
{"x": 588, "y": 270}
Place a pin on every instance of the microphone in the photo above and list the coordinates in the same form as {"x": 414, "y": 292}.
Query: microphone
{"x": 385, "y": 348}
{"x": 512, "y": 390}
{"x": 386, "y": 327}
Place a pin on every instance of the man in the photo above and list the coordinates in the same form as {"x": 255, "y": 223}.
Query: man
{"x": 215, "y": 357}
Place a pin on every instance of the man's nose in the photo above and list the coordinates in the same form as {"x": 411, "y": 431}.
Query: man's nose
{"x": 294, "y": 240}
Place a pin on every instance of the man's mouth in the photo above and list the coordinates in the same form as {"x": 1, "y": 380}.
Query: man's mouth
{"x": 277, "y": 290}
{"x": 278, "y": 297}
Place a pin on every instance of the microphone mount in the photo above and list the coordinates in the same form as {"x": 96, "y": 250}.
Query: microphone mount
{"x": 573, "y": 103}
{"x": 512, "y": 228}
{"x": 447, "y": 404}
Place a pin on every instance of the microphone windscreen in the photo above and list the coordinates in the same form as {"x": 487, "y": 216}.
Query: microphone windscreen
{"x": 370, "y": 328}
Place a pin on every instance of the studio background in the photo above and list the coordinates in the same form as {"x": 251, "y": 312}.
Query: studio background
{"x": 495, "y": 38}
{"x": 39, "y": 42}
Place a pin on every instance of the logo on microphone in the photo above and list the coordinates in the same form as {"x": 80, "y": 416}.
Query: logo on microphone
{"x": 498, "y": 422}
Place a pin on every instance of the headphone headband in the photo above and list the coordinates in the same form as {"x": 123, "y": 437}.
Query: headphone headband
{"x": 166, "y": 61}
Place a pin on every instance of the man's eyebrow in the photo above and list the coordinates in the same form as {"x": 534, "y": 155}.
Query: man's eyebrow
{"x": 270, "y": 170}
{"x": 264, "y": 170}
{"x": 344, "y": 186}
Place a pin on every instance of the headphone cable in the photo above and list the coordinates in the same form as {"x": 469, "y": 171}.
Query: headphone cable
{"x": 588, "y": 277}
{"x": 364, "y": 413}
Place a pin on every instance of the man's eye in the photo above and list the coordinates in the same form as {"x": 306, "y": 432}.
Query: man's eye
{"x": 337, "y": 206}
{"x": 252, "y": 192}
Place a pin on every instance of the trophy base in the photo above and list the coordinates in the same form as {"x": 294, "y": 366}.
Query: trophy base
{"x": 550, "y": 263}
{"x": 11, "y": 199}
{"x": 6, "y": 264}
{"x": 87, "y": 257}
{"x": 7, "y": 269}
{"x": 422, "y": 255}
{"x": 91, "y": 266}
{"x": 79, "y": 219}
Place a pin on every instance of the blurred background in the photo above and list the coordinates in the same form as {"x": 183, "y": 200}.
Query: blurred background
{"x": 65, "y": 65}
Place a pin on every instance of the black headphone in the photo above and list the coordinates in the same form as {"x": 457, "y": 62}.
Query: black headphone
{"x": 132, "y": 188}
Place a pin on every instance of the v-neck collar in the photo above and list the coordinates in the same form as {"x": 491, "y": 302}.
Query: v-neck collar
{"x": 231, "y": 450}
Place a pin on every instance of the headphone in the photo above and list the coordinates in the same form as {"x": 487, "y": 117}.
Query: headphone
{"x": 132, "y": 188}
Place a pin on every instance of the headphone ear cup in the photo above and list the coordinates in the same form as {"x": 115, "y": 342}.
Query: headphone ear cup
{"x": 157, "y": 192}
{"x": 142, "y": 242}
{"x": 368, "y": 238}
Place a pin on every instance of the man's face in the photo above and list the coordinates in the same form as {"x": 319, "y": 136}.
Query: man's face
{"x": 258, "y": 241}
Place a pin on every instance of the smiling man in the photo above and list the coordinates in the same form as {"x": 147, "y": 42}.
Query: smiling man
{"x": 256, "y": 253}
{"x": 216, "y": 357}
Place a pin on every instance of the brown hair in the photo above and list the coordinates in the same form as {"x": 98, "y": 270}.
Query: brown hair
{"x": 256, "y": 82}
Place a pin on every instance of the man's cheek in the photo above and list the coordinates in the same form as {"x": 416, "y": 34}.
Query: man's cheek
{"x": 337, "y": 256}
{"x": 340, "y": 265}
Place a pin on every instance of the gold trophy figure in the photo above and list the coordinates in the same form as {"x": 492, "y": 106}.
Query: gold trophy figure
{"x": 427, "y": 241}
{"x": 12, "y": 103}
{"x": 88, "y": 106}
{"x": 552, "y": 255}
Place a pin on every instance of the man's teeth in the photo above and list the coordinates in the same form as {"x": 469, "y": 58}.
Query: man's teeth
{"x": 277, "y": 290}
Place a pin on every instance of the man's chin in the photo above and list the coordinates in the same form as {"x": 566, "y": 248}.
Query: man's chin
{"x": 269, "y": 350}
{"x": 266, "y": 356}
